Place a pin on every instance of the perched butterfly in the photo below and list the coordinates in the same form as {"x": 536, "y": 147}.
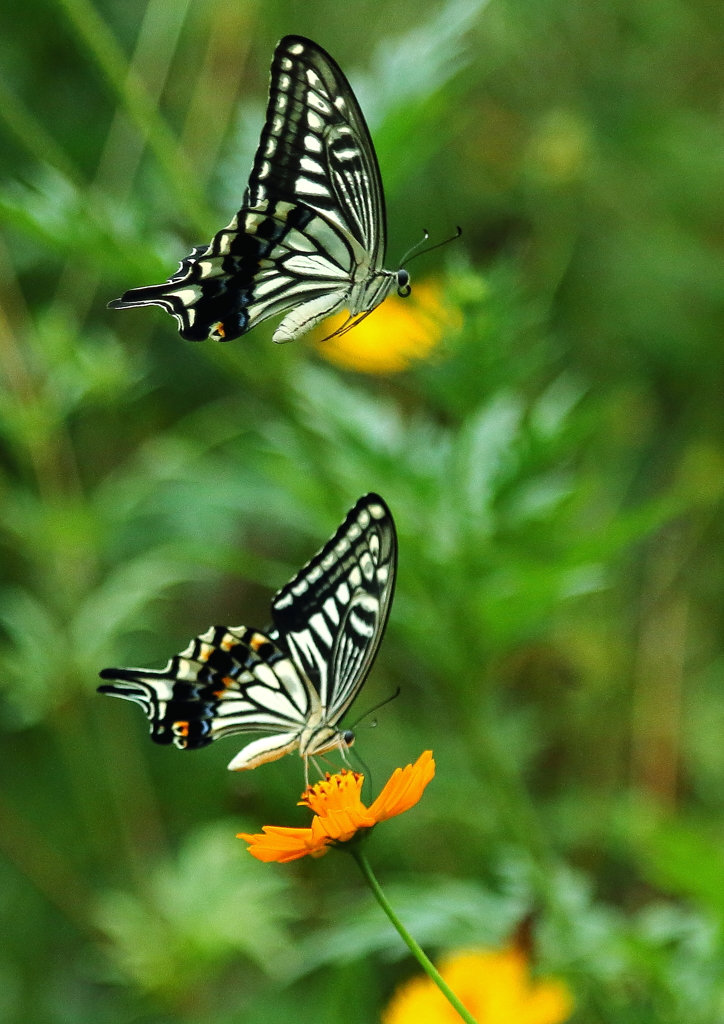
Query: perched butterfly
{"x": 295, "y": 681}
{"x": 310, "y": 237}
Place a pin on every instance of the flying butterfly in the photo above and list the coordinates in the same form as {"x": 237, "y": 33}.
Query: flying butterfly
{"x": 310, "y": 237}
{"x": 296, "y": 680}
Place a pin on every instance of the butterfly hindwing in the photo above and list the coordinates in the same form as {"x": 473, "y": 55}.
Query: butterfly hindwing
{"x": 268, "y": 261}
{"x": 310, "y": 237}
{"x": 333, "y": 614}
{"x": 228, "y": 680}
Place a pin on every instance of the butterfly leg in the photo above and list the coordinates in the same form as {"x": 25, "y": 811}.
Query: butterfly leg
{"x": 315, "y": 762}
{"x": 343, "y": 752}
{"x": 331, "y": 764}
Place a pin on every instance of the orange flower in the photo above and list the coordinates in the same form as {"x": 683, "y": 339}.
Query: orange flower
{"x": 339, "y": 814}
{"x": 396, "y": 333}
{"x": 495, "y": 986}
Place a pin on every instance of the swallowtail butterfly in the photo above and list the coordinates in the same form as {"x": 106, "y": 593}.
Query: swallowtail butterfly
{"x": 295, "y": 681}
{"x": 310, "y": 237}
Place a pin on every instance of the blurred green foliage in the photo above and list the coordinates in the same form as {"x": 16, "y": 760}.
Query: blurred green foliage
{"x": 556, "y": 472}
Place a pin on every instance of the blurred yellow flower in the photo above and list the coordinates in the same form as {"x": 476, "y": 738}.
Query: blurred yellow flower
{"x": 495, "y": 986}
{"x": 398, "y": 332}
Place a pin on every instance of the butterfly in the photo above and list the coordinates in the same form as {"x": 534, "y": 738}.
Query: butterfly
{"x": 294, "y": 681}
{"x": 310, "y": 237}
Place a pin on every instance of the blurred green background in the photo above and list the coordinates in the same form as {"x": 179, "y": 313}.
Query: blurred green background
{"x": 556, "y": 470}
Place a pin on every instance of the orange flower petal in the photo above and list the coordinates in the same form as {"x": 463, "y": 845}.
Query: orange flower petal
{"x": 340, "y": 813}
{"x": 280, "y": 844}
{"x": 335, "y": 793}
{"x": 340, "y": 826}
{"x": 404, "y": 788}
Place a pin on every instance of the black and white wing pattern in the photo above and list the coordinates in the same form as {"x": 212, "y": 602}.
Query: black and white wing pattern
{"x": 332, "y": 615}
{"x": 295, "y": 681}
{"x": 228, "y": 680}
{"x": 310, "y": 237}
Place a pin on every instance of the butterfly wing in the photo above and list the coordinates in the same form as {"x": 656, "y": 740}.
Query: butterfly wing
{"x": 316, "y": 147}
{"x": 228, "y": 680}
{"x": 312, "y": 219}
{"x": 332, "y": 615}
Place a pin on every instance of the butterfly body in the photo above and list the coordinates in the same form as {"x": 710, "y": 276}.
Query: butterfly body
{"x": 295, "y": 681}
{"x": 310, "y": 237}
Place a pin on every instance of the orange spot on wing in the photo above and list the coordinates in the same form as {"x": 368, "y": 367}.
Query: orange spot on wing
{"x": 227, "y": 681}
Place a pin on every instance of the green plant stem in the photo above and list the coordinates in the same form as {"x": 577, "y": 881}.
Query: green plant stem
{"x": 133, "y": 95}
{"x": 32, "y": 134}
{"x": 414, "y": 947}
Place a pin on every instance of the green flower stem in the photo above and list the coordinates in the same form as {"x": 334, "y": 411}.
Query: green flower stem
{"x": 414, "y": 947}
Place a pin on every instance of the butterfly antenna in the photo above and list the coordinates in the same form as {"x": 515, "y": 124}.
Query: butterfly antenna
{"x": 377, "y": 707}
{"x": 438, "y": 245}
{"x": 425, "y": 236}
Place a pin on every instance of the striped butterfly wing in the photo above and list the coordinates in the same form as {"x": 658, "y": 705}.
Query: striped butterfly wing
{"x": 332, "y": 615}
{"x": 316, "y": 148}
{"x": 228, "y": 680}
{"x": 312, "y": 221}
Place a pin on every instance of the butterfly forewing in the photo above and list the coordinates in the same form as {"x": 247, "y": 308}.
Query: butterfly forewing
{"x": 333, "y": 614}
{"x": 309, "y": 239}
{"x": 228, "y": 680}
{"x": 316, "y": 148}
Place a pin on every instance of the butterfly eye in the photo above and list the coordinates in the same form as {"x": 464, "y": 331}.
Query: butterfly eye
{"x": 348, "y": 737}
{"x": 403, "y": 284}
